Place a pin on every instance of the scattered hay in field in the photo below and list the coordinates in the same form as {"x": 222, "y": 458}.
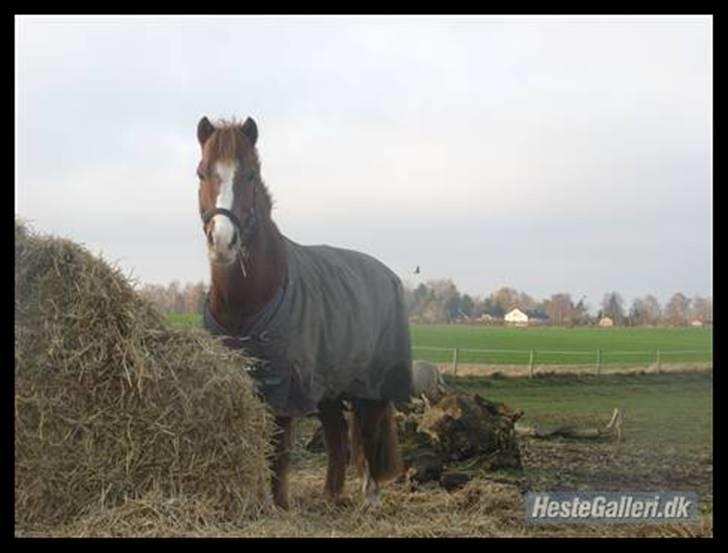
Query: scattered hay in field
{"x": 112, "y": 405}
{"x": 480, "y": 509}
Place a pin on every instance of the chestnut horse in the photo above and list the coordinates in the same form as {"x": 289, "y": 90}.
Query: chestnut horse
{"x": 328, "y": 324}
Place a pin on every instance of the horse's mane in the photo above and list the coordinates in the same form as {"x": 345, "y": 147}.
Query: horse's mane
{"x": 227, "y": 143}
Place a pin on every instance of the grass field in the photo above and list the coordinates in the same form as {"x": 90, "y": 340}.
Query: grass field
{"x": 563, "y": 346}
{"x": 185, "y": 319}
{"x": 552, "y": 346}
{"x": 667, "y": 430}
{"x": 674, "y": 410}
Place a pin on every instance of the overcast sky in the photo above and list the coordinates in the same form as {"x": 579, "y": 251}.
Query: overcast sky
{"x": 550, "y": 154}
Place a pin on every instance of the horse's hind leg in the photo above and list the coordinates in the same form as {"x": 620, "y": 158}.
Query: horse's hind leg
{"x": 336, "y": 436}
{"x": 376, "y": 448}
{"x": 281, "y": 460}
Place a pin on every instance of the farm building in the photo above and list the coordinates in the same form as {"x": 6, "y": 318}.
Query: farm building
{"x": 606, "y": 321}
{"x": 516, "y": 317}
{"x": 696, "y": 323}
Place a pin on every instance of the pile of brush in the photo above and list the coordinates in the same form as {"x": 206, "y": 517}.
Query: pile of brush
{"x": 115, "y": 410}
{"x": 459, "y": 437}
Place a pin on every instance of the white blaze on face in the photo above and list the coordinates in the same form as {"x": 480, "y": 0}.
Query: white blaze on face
{"x": 223, "y": 229}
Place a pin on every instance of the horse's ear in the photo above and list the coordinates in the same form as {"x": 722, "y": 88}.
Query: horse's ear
{"x": 250, "y": 129}
{"x": 204, "y": 130}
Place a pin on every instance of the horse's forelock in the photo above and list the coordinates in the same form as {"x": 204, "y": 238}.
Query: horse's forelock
{"x": 225, "y": 144}
{"x": 228, "y": 142}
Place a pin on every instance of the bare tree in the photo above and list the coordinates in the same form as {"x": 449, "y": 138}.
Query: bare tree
{"x": 677, "y": 310}
{"x": 156, "y": 295}
{"x": 701, "y": 309}
{"x": 651, "y": 310}
{"x": 447, "y": 299}
{"x": 560, "y": 309}
{"x": 195, "y": 296}
{"x": 526, "y": 302}
{"x": 581, "y": 313}
{"x": 436, "y": 301}
{"x": 506, "y": 299}
{"x": 467, "y": 305}
{"x": 636, "y": 313}
{"x": 613, "y": 307}
{"x": 478, "y": 308}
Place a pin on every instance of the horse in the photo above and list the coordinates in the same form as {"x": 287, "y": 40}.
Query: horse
{"x": 427, "y": 381}
{"x": 328, "y": 325}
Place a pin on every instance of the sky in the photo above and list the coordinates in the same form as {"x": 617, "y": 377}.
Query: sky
{"x": 550, "y": 154}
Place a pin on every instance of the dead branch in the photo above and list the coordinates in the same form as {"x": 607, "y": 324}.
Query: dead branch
{"x": 612, "y": 430}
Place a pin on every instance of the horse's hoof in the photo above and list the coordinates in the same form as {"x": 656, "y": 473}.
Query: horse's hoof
{"x": 282, "y": 503}
{"x": 340, "y": 501}
{"x": 372, "y": 503}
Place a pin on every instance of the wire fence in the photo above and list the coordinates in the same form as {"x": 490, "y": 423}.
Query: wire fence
{"x": 590, "y": 360}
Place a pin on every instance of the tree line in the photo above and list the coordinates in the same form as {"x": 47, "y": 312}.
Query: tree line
{"x": 440, "y": 301}
{"x": 175, "y": 297}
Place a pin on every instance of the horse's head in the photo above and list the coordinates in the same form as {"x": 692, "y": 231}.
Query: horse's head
{"x": 229, "y": 174}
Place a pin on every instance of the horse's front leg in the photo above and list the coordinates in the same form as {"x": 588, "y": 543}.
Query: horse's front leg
{"x": 281, "y": 460}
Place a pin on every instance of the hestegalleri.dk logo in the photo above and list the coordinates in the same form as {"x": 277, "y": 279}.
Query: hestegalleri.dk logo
{"x": 610, "y": 507}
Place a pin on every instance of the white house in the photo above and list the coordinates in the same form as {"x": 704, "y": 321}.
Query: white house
{"x": 516, "y": 317}
{"x": 606, "y": 321}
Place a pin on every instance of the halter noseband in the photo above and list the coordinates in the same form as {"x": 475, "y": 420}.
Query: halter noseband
{"x": 245, "y": 231}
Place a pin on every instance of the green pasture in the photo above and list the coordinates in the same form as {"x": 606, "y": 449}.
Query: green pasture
{"x": 554, "y": 345}
{"x": 551, "y": 345}
{"x": 672, "y": 408}
{"x": 667, "y": 429}
{"x": 185, "y": 319}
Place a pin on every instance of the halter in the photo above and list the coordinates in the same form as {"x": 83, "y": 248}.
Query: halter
{"x": 245, "y": 231}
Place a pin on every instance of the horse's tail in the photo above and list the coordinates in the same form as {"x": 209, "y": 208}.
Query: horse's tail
{"x": 374, "y": 440}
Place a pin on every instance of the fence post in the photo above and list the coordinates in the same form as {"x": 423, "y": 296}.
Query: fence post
{"x": 455, "y": 361}
{"x": 659, "y": 362}
{"x": 599, "y": 361}
{"x": 530, "y": 366}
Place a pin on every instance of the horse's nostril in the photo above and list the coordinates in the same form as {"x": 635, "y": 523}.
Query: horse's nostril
{"x": 210, "y": 240}
{"x": 234, "y": 239}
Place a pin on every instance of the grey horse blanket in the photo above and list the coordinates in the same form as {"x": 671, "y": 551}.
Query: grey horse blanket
{"x": 338, "y": 327}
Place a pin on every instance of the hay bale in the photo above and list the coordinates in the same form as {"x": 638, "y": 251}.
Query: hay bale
{"x": 152, "y": 515}
{"x": 111, "y": 404}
